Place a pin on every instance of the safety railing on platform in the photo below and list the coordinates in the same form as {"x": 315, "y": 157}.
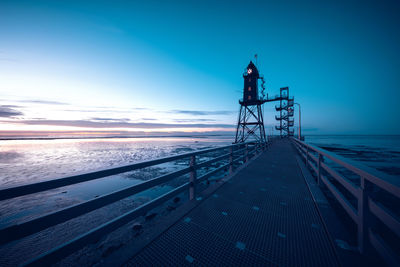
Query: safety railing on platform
{"x": 233, "y": 155}
{"x": 367, "y": 211}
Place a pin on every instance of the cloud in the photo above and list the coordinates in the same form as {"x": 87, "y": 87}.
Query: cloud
{"x": 43, "y": 102}
{"x": 113, "y": 124}
{"x": 202, "y": 113}
{"x": 6, "y": 112}
{"x": 141, "y": 108}
{"x": 105, "y": 110}
{"x": 5, "y": 135}
{"x": 11, "y": 106}
{"x": 127, "y": 109}
{"x": 111, "y": 119}
{"x": 192, "y": 120}
{"x": 95, "y": 110}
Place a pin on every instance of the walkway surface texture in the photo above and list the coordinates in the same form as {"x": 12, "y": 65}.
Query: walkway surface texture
{"x": 265, "y": 215}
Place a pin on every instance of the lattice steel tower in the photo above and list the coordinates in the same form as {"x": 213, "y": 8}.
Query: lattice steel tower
{"x": 251, "y": 122}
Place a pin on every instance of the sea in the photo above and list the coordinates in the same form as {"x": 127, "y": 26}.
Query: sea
{"x": 381, "y": 152}
{"x": 33, "y": 160}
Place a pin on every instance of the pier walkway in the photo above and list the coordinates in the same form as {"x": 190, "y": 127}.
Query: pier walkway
{"x": 265, "y": 215}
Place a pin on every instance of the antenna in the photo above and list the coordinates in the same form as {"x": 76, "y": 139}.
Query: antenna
{"x": 256, "y": 59}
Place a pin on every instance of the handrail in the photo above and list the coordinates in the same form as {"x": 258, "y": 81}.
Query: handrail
{"x": 383, "y": 180}
{"x": 342, "y": 180}
{"x": 236, "y": 154}
{"x": 366, "y": 206}
{"x": 71, "y": 246}
{"x": 21, "y": 230}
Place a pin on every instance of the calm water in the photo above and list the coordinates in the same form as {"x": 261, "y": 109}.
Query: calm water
{"x": 27, "y": 161}
{"x": 379, "y": 152}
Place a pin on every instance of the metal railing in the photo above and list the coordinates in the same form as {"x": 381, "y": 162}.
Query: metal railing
{"x": 367, "y": 209}
{"x": 234, "y": 155}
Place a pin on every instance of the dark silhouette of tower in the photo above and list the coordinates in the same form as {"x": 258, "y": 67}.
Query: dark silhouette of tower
{"x": 251, "y": 123}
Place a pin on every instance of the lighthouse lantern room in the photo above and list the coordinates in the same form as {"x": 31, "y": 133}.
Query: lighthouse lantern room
{"x": 250, "y": 90}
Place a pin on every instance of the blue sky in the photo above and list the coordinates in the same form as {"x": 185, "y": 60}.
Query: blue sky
{"x": 176, "y": 66}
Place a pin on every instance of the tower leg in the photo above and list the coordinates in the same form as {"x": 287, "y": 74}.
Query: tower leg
{"x": 262, "y": 128}
{"x": 250, "y": 124}
{"x": 244, "y": 123}
{"x": 238, "y": 125}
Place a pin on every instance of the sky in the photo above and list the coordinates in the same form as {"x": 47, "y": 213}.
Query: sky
{"x": 168, "y": 67}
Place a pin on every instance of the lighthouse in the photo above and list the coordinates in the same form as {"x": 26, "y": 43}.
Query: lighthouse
{"x": 250, "y": 89}
{"x": 250, "y": 124}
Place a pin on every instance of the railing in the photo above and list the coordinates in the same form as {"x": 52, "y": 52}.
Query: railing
{"x": 283, "y": 107}
{"x": 367, "y": 211}
{"x": 285, "y": 117}
{"x": 236, "y": 155}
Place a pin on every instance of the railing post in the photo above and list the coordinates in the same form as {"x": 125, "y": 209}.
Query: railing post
{"x": 363, "y": 216}
{"x": 193, "y": 177}
{"x": 319, "y": 169}
{"x": 230, "y": 160}
{"x": 246, "y": 153}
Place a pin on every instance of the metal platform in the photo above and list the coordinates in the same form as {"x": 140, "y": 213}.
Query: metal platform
{"x": 264, "y": 216}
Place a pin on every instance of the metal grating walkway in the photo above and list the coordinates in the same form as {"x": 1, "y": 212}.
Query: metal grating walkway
{"x": 264, "y": 216}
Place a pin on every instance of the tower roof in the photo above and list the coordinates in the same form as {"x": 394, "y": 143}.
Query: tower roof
{"x": 253, "y": 68}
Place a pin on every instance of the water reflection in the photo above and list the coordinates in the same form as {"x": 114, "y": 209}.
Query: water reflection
{"x": 29, "y": 161}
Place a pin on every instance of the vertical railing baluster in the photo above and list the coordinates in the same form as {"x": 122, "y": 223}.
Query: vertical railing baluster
{"x": 363, "y": 215}
{"x": 230, "y": 160}
{"x": 193, "y": 177}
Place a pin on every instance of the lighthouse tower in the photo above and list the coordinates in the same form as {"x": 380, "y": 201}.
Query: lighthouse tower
{"x": 251, "y": 122}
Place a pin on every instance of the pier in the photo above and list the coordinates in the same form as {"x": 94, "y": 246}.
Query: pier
{"x": 199, "y": 133}
{"x": 263, "y": 216}
{"x": 248, "y": 204}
